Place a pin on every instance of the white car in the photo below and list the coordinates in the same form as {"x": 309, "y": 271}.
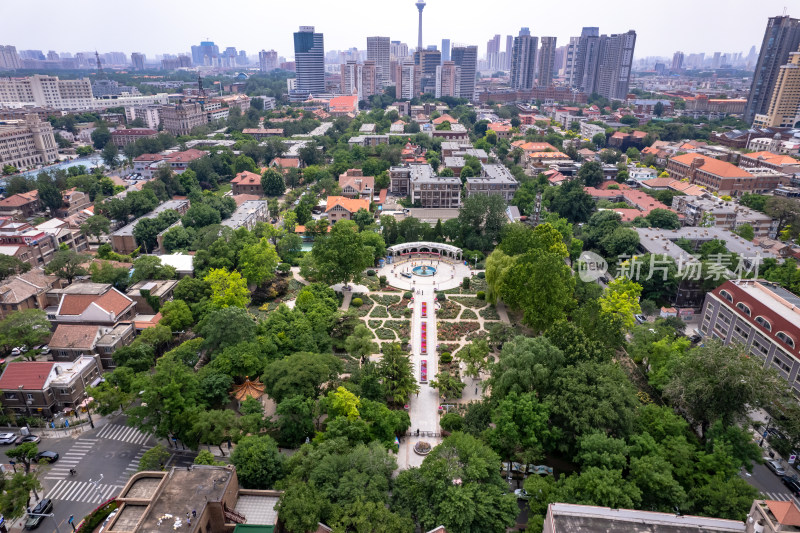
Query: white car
{"x": 7, "y": 438}
{"x": 521, "y": 494}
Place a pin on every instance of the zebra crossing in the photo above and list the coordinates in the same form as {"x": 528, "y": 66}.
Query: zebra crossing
{"x": 132, "y": 467}
{"x": 777, "y": 496}
{"x": 123, "y": 433}
{"x": 60, "y": 469}
{"x": 82, "y": 491}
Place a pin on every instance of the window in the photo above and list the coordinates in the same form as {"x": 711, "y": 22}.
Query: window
{"x": 64, "y": 391}
{"x": 28, "y": 396}
{"x": 760, "y": 320}
{"x": 785, "y": 338}
{"x": 11, "y": 396}
{"x": 746, "y": 310}
{"x": 726, "y": 295}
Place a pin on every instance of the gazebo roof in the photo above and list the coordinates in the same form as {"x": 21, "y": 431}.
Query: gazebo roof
{"x": 248, "y": 389}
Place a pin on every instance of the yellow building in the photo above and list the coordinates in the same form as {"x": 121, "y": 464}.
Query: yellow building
{"x": 784, "y": 107}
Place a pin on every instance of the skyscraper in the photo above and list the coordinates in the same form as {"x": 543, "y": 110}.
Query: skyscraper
{"x": 784, "y": 106}
{"x": 398, "y": 50}
{"x": 509, "y": 52}
{"x": 137, "y": 60}
{"x": 466, "y": 57}
{"x": 378, "y": 51}
{"x": 546, "y": 60}
{"x": 425, "y": 78}
{"x": 448, "y": 80}
{"x": 369, "y": 80}
{"x": 677, "y": 61}
{"x": 309, "y": 57}
{"x": 9, "y": 58}
{"x": 493, "y": 52}
{"x": 405, "y": 79}
{"x": 207, "y": 53}
{"x": 781, "y": 38}
{"x": 445, "y": 50}
{"x": 420, "y": 6}
{"x": 584, "y": 54}
{"x": 351, "y": 79}
{"x": 523, "y": 62}
{"x": 267, "y": 61}
{"x": 602, "y": 63}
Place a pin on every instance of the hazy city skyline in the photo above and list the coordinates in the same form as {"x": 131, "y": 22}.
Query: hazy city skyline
{"x": 173, "y": 27}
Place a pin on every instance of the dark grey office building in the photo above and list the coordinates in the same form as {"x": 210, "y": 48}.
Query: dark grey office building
{"x": 466, "y": 57}
{"x": 309, "y": 57}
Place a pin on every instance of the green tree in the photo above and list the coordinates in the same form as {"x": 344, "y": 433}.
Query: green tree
{"x": 449, "y": 384}
{"x": 205, "y": 457}
{"x": 591, "y": 173}
{"x": 257, "y": 262}
{"x": 363, "y": 218}
{"x": 28, "y": 327}
{"x": 272, "y": 182}
{"x": 176, "y": 315}
{"x": 785, "y": 210}
{"x": 24, "y": 454}
{"x": 16, "y": 495}
{"x": 302, "y": 374}
{"x": 745, "y": 231}
{"x": 521, "y": 428}
{"x": 96, "y": 225}
{"x": 100, "y": 137}
{"x": 360, "y": 344}
{"x": 458, "y": 486}
{"x": 239, "y": 327}
{"x": 397, "y": 374}
{"x": 296, "y": 421}
{"x": 569, "y": 200}
{"x": 154, "y": 459}
{"x": 258, "y": 462}
{"x": 215, "y": 426}
{"x": 10, "y": 265}
{"x": 474, "y": 355}
{"x": 341, "y": 255}
{"x": 67, "y": 265}
{"x": 228, "y": 289}
{"x": 664, "y": 219}
{"x": 599, "y": 140}
{"x": 109, "y": 154}
{"x": 526, "y": 364}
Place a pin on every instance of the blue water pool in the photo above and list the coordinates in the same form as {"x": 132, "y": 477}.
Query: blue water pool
{"x": 424, "y": 270}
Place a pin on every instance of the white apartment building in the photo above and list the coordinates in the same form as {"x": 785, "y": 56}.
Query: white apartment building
{"x": 148, "y": 113}
{"x": 27, "y": 143}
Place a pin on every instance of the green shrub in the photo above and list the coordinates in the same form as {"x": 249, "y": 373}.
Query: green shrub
{"x": 370, "y": 272}
{"x": 445, "y": 358}
{"x": 451, "y": 422}
{"x": 97, "y": 516}
{"x": 480, "y": 295}
{"x": 441, "y": 297}
{"x": 356, "y": 302}
{"x": 407, "y": 313}
{"x": 284, "y": 268}
{"x": 481, "y": 275}
{"x": 382, "y": 281}
{"x": 407, "y": 295}
{"x": 465, "y": 283}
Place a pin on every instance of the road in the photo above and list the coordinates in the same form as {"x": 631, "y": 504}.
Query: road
{"x": 112, "y": 451}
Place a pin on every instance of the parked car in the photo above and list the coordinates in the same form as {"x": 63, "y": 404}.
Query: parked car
{"x": 44, "y": 506}
{"x": 521, "y": 494}
{"x": 7, "y": 438}
{"x": 775, "y": 466}
{"x": 793, "y": 484}
{"x": 774, "y": 432}
{"x": 50, "y": 457}
{"x": 108, "y": 520}
{"x": 22, "y": 439}
{"x": 640, "y": 319}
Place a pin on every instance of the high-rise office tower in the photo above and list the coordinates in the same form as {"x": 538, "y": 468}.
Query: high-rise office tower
{"x": 509, "y": 52}
{"x": 585, "y": 52}
{"x": 52, "y": 55}
{"x": 267, "y": 60}
{"x": 448, "y": 80}
{"x": 378, "y": 49}
{"x": 546, "y": 60}
{"x": 602, "y": 63}
{"x": 780, "y": 39}
{"x": 523, "y": 62}
{"x": 427, "y": 61}
{"x": 493, "y": 52}
{"x": 715, "y": 63}
{"x": 420, "y": 6}
{"x": 309, "y": 58}
{"x": 242, "y": 58}
{"x": 677, "y": 61}
{"x": 9, "y": 58}
{"x": 405, "y": 79}
{"x": 352, "y": 78}
{"x": 445, "y": 50}
{"x": 207, "y": 53}
{"x": 570, "y": 56}
{"x": 466, "y": 57}
{"x": 398, "y": 50}
{"x": 784, "y": 106}
{"x": 137, "y": 61}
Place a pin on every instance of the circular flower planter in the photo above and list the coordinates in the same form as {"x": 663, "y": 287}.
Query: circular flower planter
{"x": 422, "y": 448}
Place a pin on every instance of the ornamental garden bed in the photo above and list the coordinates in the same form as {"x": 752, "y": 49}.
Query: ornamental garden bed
{"x": 469, "y": 301}
{"x": 385, "y": 334}
{"x": 374, "y": 324}
{"x": 385, "y": 299}
{"x": 481, "y": 334}
{"x": 448, "y": 309}
{"x": 365, "y": 307}
{"x": 379, "y": 311}
{"x": 396, "y": 310}
{"x": 490, "y": 313}
{"x": 402, "y": 327}
{"x": 452, "y": 331}
{"x": 468, "y": 314}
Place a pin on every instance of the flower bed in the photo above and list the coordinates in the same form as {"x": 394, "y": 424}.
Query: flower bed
{"x": 385, "y": 334}
{"x": 402, "y": 327}
{"x": 96, "y": 517}
{"x": 379, "y": 311}
{"x": 475, "y": 284}
{"x": 422, "y": 448}
{"x": 447, "y": 347}
{"x": 448, "y": 309}
{"x": 452, "y": 331}
{"x": 468, "y": 314}
{"x": 396, "y": 310}
{"x": 490, "y": 313}
{"x": 384, "y": 299}
{"x": 481, "y": 334}
{"x": 374, "y": 324}
{"x": 469, "y": 301}
{"x": 365, "y": 307}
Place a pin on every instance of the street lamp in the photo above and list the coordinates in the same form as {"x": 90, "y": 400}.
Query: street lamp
{"x": 88, "y": 413}
{"x": 96, "y": 487}
{"x": 51, "y": 515}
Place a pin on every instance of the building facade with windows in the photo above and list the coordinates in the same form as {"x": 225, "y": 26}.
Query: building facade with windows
{"x": 763, "y": 318}
{"x": 26, "y": 143}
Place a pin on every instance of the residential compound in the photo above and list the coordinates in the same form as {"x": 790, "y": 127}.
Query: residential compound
{"x": 420, "y": 182}
{"x": 355, "y": 184}
{"x": 724, "y": 178}
{"x": 763, "y": 318}
{"x": 123, "y": 240}
{"x": 27, "y": 143}
{"x": 601, "y": 63}
{"x": 708, "y": 211}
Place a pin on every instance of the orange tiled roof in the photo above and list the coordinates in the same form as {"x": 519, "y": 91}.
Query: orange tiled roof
{"x": 548, "y": 155}
{"x": 786, "y": 513}
{"x": 773, "y": 159}
{"x": 359, "y": 183}
{"x": 246, "y": 178}
{"x": 74, "y": 336}
{"x": 714, "y": 166}
{"x": 350, "y": 204}
{"x": 20, "y": 199}
{"x": 112, "y": 301}
{"x": 444, "y": 118}
{"x": 499, "y": 127}
{"x": 26, "y": 375}
{"x": 285, "y": 162}
{"x": 533, "y": 147}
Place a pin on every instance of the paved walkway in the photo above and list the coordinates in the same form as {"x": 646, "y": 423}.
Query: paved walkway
{"x": 448, "y": 275}
{"x": 501, "y": 310}
{"x": 423, "y": 407}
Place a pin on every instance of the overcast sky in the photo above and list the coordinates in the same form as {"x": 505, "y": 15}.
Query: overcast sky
{"x": 172, "y": 26}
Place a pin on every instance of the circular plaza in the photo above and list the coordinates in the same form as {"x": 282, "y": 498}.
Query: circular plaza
{"x": 424, "y": 265}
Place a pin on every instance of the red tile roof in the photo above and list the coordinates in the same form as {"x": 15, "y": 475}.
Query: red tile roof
{"x": 246, "y": 178}
{"x": 74, "y": 336}
{"x": 382, "y": 196}
{"x": 31, "y": 375}
{"x": 285, "y": 162}
{"x": 187, "y": 156}
{"x": 773, "y": 159}
{"x": 343, "y": 104}
{"x": 786, "y": 513}
{"x": 20, "y": 199}
{"x": 112, "y": 301}
{"x": 713, "y": 166}
{"x": 350, "y": 204}
{"x": 136, "y": 131}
